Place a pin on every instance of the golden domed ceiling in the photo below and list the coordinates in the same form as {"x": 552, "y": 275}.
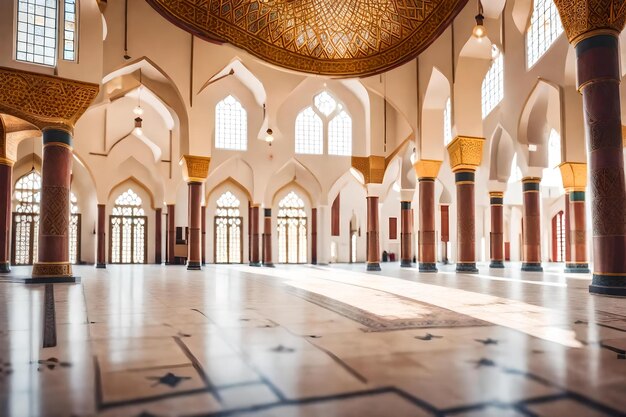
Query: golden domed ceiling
{"x": 327, "y": 37}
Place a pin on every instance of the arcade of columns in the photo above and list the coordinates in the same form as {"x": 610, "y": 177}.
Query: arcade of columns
{"x": 53, "y": 105}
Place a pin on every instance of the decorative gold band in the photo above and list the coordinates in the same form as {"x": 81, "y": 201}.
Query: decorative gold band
{"x": 6, "y": 161}
{"x": 596, "y": 80}
{"x": 59, "y": 144}
{"x": 591, "y": 34}
{"x": 52, "y": 269}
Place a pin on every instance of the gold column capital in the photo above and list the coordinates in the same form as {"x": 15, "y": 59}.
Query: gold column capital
{"x": 583, "y": 19}
{"x": 574, "y": 176}
{"x": 496, "y": 194}
{"x": 427, "y": 168}
{"x": 195, "y": 168}
{"x": 466, "y": 153}
{"x": 372, "y": 167}
{"x": 43, "y": 100}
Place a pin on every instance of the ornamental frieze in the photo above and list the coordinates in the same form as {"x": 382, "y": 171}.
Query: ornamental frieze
{"x": 580, "y": 17}
{"x": 44, "y": 100}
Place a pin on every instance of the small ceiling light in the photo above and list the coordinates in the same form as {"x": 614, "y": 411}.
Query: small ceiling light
{"x": 479, "y": 31}
{"x": 138, "y": 111}
{"x": 532, "y": 147}
{"x": 269, "y": 138}
{"x": 138, "y": 130}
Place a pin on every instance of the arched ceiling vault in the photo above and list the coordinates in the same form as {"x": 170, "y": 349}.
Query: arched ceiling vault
{"x": 341, "y": 38}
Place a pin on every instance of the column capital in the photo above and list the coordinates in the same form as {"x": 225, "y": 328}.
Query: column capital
{"x": 574, "y": 176}
{"x": 465, "y": 153}
{"x": 427, "y": 168}
{"x": 583, "y": 19}
{"x": 195, "y": 168}
{"x": 496, "y": 198}
{"x": 531, "y": 184}
{"x": 496, "y": 194}
{"x": 43, "y": 100}
{"x": 371, "y": 167}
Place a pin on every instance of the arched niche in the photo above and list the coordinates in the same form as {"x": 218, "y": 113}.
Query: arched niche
{"x": 542, "y": 113}
{"x": 293, "y": 172}
{"x": 435, "y": 100}
{"x": 501, "y": 155}
{"x": 234, "y": 170}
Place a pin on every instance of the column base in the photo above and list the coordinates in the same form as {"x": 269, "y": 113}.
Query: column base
{"x": 577, "y": 269}
{"x": 269, "y": 265}
{"x": 101, "y": 266}
{"x": 467, "y": 267}
{"x": 5, "y": 267}
{"x": 373, "y": 266}
{"x": 532, "y": 267}
{"x": 614, "y": 285}
{"x": 255, "y": 264}
{"x": 40, "y": 279}
{"x": 194, "y": 266}
{"x": 427, "y": 267}
{"x": 406, "y": 263}
{"x": 496, "y": 264}
{"x": 52, "y": 270}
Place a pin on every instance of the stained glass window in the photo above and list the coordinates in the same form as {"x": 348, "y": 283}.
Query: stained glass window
{"x": 27, "y": 196}
{"x": 340, "y": 135}
{"x": 292, "y": 230}
{"x": 128, "y": 229}
{"x": 493, "y": 86}
{"x": 447, "y": 122}
{"x": 69, "y": 30}
{"x": 231, "y": 125}
{"x": 228, "y": 229}
{"x": 545, "y": 27}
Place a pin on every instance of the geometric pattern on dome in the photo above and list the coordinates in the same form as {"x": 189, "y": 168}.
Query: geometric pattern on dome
{"x": 339, "y": 37}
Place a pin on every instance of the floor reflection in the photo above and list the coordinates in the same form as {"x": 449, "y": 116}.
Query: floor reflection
{"x": 303, "y": 340}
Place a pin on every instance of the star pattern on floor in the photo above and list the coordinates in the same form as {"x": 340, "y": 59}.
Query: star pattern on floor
{"x": 168, "y": 379}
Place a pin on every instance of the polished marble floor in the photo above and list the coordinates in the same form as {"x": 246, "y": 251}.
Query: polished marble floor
{"x": 311, "y": 341}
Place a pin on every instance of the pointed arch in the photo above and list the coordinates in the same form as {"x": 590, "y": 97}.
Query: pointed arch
{"x": 293, "y": 171}
{"x": 131, "y": 182}
{"x": 433, "y": 122}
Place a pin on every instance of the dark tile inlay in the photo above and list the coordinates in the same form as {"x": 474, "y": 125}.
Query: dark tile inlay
{"x": 282, "y": 349}
{"x": 428, "y": 337}
{"x": 52, "y": 364}
{"x": 484, "y": 362}
{"x": 49, "y": 318}
{"x": 488, "y": 341}
{"x": 168, "y": 379}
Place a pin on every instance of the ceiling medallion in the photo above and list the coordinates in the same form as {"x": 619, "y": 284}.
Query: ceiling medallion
{"x": 342, "y": 38}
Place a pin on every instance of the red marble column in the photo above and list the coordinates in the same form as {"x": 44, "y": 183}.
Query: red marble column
{"x": 532, "y": 224}
{"x": 445, "y": 232}
{"x": 373, "y": 246}
{"x": 101, "y": 237}
{"x": 267, "y": 238}
{"x": 6, "y": 168}
{"x": 496, "y": 241}
{"x": 53, "y": 264}
{"x": 598, "y": 64}
{"x": 427, "y": 240}
{"x": 314, "y": 236}
{"x": 406, "y": 235}
{"x": 203, "y": 237}
{"x": 171, "y": 234}
{"x": 194, "y": 257}
{"x": 466, "y": 221}
{"x": 568, "y": 237}
{"x": 255, "y": 259}
{"x": 578, "y": 263}
{"x": 158, "y": 231}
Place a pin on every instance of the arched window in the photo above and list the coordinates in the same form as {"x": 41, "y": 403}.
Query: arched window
{"x": 493, "y": 86}
{"x": 128, "y": 230}
{"x": 228, "y": 230}
{"x": 37, "y": 30}
{"x": 231, "y": 125}
{"x": 27, "y": 195}
{"x": 340, "y": 135}
{"x": 447, "y": 122}
{"x": 309, "y": 132}
{"x": 545, "y": 27}
{"x": 325, "y": 119}
{"x": 558, "y": 237}
{"x": 292, "y": 226}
